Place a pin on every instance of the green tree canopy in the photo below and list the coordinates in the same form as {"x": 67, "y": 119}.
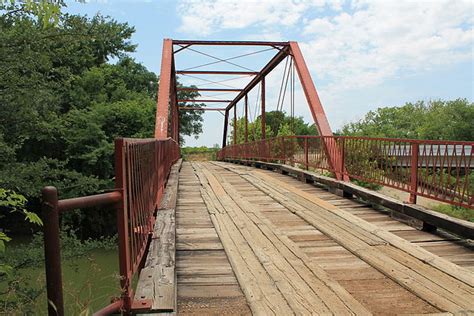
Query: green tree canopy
{"x": 67, "y": 90}
{"x": 278, "y": 123}
{"x": 443, "y": 120}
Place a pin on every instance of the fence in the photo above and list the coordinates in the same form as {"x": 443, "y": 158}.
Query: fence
{"x": 440, "y": 170}
{"x": 141, "y": 170}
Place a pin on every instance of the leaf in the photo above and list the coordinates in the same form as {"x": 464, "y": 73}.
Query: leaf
{"x": 6, "y": 269}
{"x": 33, "y": 218}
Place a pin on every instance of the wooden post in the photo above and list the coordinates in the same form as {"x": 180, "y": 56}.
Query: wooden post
{"x": 414, "y": 173}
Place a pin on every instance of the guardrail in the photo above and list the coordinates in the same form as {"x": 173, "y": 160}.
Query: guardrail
{"x": 141, "y": 170}
{"x": 439, "y": 170}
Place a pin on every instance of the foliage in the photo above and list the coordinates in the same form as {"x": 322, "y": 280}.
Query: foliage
{"x": 63, "y": 104}
{"x": 455, "y": 211}
{"x": 200, "y": 153}
{"x": 10, "y": 202}
{"x": 442, "y": 120}
{"x": 277, "y": 124}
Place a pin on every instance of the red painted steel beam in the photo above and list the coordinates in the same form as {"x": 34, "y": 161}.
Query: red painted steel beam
{"x": 310, "y": 92}
{"x": 187, "y": 108}
{"x": 161, "y": 121}
{"x": 316, "y": 108}
{"x": 268, "y": 67}
{"x": 215, "y": 72}
{"x": 209, "y": 89}
{"x": 229, "y": 43}
{"x": 89, "y": 201}
{"x": 123, "y": 224}
{"x": 246, "y": 118}
{"x": 224, "y": 134}
{"x": 205, "y": 101}
{"x": 235, "y": 125}
{"x": 263, "y": 117}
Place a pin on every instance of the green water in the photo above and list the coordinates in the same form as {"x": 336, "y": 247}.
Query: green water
{"x": 89, "y": 282}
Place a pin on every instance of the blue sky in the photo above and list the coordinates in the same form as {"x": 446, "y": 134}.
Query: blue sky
{"x": 362, "y": 54}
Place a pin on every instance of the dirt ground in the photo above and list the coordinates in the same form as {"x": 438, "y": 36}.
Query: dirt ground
{"x": 403, "y": 196}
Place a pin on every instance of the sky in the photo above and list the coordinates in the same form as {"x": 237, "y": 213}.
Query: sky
{"x": 362, "y": 55}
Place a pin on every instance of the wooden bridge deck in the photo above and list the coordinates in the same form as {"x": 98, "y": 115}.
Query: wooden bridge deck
{"x": 254, "y": 241}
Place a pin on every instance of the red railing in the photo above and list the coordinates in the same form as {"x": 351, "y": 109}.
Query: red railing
{"x": 142, "y": 167}
{"x": 440, "y": 170}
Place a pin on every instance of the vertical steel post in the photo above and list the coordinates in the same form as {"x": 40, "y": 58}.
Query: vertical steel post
{"x": 414, "y": 173}
{"x": 224, "y": 134}
{"x": 306, "y": 155}
{"x": 52, "y": 255}
{"x": 246, "y": 119}
{"x": 344, "y": 177}
{"x": 122, "y": 225}
{"x": 235, "y": 125}
{"x": 161, "y": 119}
{"x": 263, "y": 109}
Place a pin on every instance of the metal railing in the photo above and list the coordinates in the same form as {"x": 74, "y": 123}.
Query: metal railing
{"x": 142, "y": 167}
{"x": 439, "y": 170}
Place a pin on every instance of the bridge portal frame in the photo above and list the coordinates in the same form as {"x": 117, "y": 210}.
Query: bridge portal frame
{"x": 167, "y": 115}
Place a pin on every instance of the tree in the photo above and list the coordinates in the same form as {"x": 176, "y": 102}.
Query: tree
{"x": 62, "y": 104}
{"x": 277, "y": 124}
{"x": 443, "y": 120}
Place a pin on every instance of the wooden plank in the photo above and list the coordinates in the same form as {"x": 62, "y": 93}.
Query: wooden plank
{"x": 333, "y": 295}
{"x": 260, "y": 291}
{"x": 157, "y": 279}
{"x": 384, "y": 263}
{"x": 453, "y": 225}
{"x": 444, "y": 265}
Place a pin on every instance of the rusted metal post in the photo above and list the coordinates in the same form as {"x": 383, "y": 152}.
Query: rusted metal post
{"x": 122, "y": 225}
{"x": 306, "y": 155}
{"x": 161, "y": 123}
{"x": 342, "y": 154}
{"x": 263, "y": 109}
{"x": 246, "y": 119}
{"x": 52, "y": 255}
{"x": 414, "y": 173}
{"x": 224, "y": 134}
{"x": 235, "y": 125}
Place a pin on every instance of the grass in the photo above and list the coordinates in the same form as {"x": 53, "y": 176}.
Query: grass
{"x": 455, "y": 211}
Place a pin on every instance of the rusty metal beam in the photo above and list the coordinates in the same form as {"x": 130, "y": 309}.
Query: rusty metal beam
{"x": 310, "y": 92}
{"x": 230, "y": 43}
{"x": 235, "y": 125}
{"x": 161, "y": 120}
{"x": 246, "y": 118}
{"x": 263, "y": 117}
{"x": 187, "y": 108}
{"x": 224, "y": 134}
{"x": 316, "y": 108}
{"x": 216, "y": 72}
{"x": 268, "y": 67}
{"x": 205, "y": 101}
{"x": 209, "y": 89}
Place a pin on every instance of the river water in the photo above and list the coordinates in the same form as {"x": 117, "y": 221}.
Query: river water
{"x": 89, "y": 282}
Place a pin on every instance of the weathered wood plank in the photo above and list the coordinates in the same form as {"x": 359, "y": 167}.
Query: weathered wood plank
{"x": 157, "y": 279}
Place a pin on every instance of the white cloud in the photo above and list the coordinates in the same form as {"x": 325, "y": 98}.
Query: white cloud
{"x": 381, "y": 39}
{"x": 370, "y": 43}
{"x": 203, "y": 17}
